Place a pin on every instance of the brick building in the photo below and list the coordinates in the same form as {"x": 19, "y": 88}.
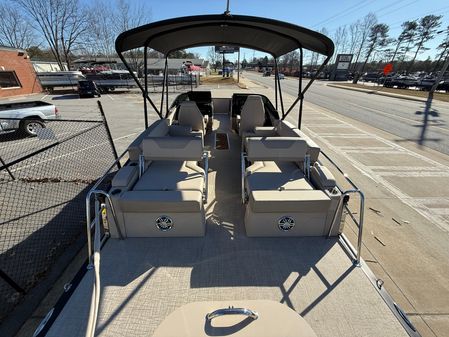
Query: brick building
{"x": 17, "y": 75}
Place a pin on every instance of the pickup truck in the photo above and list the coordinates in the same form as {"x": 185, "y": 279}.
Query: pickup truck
{"x": 28, "y": 116}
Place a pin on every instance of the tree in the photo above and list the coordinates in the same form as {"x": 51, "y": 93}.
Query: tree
{"x": 213, "y": 57}
{"x": 244, "y": 63}
{"x": 354, "y": 36}
{"x": 378, "y": 37}
{"x": 365, "y": 27}
{"x": 101, "y": 38}
{"x": 128, "y": 16}
{"x": 444, "y": 50}
{"x": 340, "y": 41}
{"x": 34, "y": 52}
{"x": 425, "y": 32}
{"x": 62, "y": 22}
{"x": 407, "y": 35}
{"x": 14, "y": 30}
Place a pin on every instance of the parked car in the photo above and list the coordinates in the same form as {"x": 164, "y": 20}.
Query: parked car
{"x": 400, "y": 81}
{"x": 370, "y": 77}
{"x": 88, "y": 88}
{"x": 281, "y": 76}
{"x": 28, "y": 117}
{"x": 266, "y": 73}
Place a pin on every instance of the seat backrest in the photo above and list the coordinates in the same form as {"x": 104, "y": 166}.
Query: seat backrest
{"x": 276, "y": 149}
{"x": 172, "y": 148}
{"x": 190, "y": 115}
{"x": 252, "y": 115}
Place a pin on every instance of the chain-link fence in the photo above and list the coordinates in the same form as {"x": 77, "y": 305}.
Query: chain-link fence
{"x": 43, "y": 185}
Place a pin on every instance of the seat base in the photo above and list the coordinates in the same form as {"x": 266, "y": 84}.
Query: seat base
{"x": 287, "y": 213}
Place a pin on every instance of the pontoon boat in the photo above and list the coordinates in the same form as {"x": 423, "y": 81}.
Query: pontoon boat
{"x": 224, "y": 219}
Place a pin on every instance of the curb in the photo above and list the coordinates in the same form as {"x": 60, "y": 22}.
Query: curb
{"x": 242, "y": 86}
{"x": 376, "y": 92}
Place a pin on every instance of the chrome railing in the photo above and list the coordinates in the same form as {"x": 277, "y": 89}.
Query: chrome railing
{"x": 359, "y": 222}
{"x": 95, "y": 191}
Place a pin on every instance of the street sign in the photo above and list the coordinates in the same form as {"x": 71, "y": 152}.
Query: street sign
{"x": 226, "y": 49}
{"x": 388, "y": 68}
{"x": 342, "y": 64}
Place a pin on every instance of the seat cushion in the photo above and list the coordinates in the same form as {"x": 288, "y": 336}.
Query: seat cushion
{"x": 305, "y": 201}
{"x": 270, "y": 175}
{"x": 160, "y": 201}
{"x": 171, "y": 176}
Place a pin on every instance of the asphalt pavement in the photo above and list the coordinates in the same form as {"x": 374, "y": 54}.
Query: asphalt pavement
{"x": 425, "y": 124}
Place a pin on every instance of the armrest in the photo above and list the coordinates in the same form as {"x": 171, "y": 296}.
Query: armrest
{"x": 179, "y": 130}
{"x": 322, "y": 177}
{"x": 125, "y": 177}
{"x": 265, "y": 131}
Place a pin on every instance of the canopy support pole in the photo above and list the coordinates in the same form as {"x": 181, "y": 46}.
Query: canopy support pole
{"x": 276, "y": 83}
{"x": 301, "y": 54}
{"x": 145, "y": 96}
{"x": 166, "y": 84}
{"x": 145, "y": 70}
{"x": 163, "y": 86}
{"x": 280, "y": 90}
{"x": 301, "y": 93}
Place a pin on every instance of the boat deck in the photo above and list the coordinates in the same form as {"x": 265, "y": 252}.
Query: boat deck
{"x": 143, "y": 280}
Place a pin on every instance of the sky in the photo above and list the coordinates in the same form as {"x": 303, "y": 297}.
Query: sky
{"x": 314, "y": 14}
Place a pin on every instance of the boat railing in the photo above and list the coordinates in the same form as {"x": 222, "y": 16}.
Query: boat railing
{"x": 94, "y": 193}
{"x": 356, "y": 252}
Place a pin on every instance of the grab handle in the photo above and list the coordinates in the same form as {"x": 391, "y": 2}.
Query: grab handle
{"x": 232, "y": 311}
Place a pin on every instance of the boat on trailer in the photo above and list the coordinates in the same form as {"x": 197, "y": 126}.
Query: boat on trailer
{"x": 224, "y": 219}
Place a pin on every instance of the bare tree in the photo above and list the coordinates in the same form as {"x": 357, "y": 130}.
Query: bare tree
{"x": 354, "y": 36}
{"x": 213, "y": 57}
{"x": 378, "y": 37}
{"x": 340, "y": 41}
{"x": 426, "y": 31}
{"x": 100, "y": 40}
{"x": 62, "y": 22}
{"x": 407, "y": 35}
{"x": 14, "y": 30}
{"x": 128, "y": 16}
{"x": 444, "y": 50}
{"x": 365, "y": 28}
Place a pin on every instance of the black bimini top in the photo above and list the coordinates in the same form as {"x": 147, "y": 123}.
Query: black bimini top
{"x": 271, "y": 36}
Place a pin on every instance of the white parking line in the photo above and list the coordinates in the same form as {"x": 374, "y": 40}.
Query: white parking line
{"x": 44, "y": 97}
{"x": 417, "y": 204}
{"x": 110, "y": 97}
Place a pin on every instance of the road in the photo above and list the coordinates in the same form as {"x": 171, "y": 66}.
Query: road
{"x": 376, "y": 141}
{"x": 403, "y": 118}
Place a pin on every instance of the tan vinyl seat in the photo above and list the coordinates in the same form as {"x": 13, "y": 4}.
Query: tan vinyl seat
{"x": 190, "y": 115}
{"x": 252, "y": 115}
{"x": 282, "y": 201}
{"x": 270, "y": 175}
{"x": 171, "y": 176}
{"x": 168, "y": 198}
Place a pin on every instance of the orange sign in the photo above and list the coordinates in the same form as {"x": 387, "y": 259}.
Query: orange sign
{"x": 388, "y": 68}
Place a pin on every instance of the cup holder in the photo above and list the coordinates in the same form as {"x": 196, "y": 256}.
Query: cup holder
{"x": 116, "y": 191}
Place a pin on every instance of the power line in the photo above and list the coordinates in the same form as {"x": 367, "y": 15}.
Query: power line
{"x": 343, "y": 12}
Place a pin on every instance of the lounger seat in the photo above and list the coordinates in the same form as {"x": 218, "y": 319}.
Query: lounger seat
{"x": 270, "y": 175}
{"x": 167, "y": 200}
{"x": 172, "y": 176}
{"x": 282, "y": 200}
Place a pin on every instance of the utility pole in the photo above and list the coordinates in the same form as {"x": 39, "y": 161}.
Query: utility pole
{"x": 440, "y": 76}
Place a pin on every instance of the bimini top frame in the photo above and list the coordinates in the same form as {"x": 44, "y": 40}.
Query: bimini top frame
{"x": 271, "y": 36}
